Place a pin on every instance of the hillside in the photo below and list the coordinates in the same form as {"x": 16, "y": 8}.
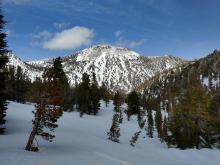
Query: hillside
{"x": 84, "y": 141}
{"x": 118, "y": 68}
{"x": 206, "y": 69}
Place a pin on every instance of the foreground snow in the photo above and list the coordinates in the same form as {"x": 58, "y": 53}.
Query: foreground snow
{"x": 83, "y": 141}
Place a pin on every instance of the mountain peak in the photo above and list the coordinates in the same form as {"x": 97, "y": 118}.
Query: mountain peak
{"x": 102, "y": 50}
{"x": 119, "y": 68}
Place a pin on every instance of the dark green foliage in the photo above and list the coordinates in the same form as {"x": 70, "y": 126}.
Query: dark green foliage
{"x": 117, "y": 102}
{"x": 83, "y": 95}
{"x": 18, "y": 84}
{"x": 141, "y": 120}
{"x": 189, "y": 123}
{"x": 133, "y": 102}
{"x": 114, "y": 132}
{"x": 95, "y": 95}
{"x": 158, "y": 124}
{"x": 36, "y": 90}
{"x": 55, "y": 78}
{"x": 214, "y": 113}
{"x": 150, "y": 124}
{"x": 50, "y": 105}
{"x": 49, "y": 114}
{"x": 165, "y": 130}
{"x": 189, "y": 96}
{"x": 3, "y": 43}
{"x": 3, "y": 74}
{"x": 105, "y": 94}
{"x": 134, "y": 138}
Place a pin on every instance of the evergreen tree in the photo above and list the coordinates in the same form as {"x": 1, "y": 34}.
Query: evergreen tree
{"x": 51, "y": 104}
{"x": 133, "y": 102}
{"x": 95, "y": 95}
{"x": 83, "y": 95}
{"x": 134, "y": 138}
{"x": 159, "y": 123}
{"x": 114, "y": 132}
{"x": 36, "y": 90}
{"x": 44, "y": 123}
{"x": 55, "y": 78}
{"x": 3, "y": 61}
{"x": 105, "y": 94}
{"x": 10, "y": 83}
{"x": 150, "y": 124}
{"x": 18, "y": 84}
{"x": 214, "y": 112}
{"x": 21, "y": 85}
{"x": 141, "y": 120}
{"x": 189, "y": 123}
{"x": 117, "y": 102}
{"x": 165, "y": 130}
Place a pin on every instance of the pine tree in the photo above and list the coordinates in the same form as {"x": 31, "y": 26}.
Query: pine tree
{"x": 114, "y": 132}
{"x": 134, "y": 138}
{"x": 55, "y": 78}
{"x": 44, "y": 123}
{"x": 21, "y": 85}
{"x": 189, "y": 123}
{"x": 95, "y": 95}
{"x": 214, "y": 113}
{"x": 159, "y": 123}
{"x": 83, "y": 95}
{"x": 36, "y": 90}
{"x": 3, "y": 74}
{"x": 117, "y": 102}
{"x": 165, "y": 130}
{"x": 18, "y": 84}
{"x": 141, "y": 120}
{"x": 51, "y": 104}
{"x": 133, "y": 102}
{"x": 105, "y": 94}
{"x": 150, "y": 124}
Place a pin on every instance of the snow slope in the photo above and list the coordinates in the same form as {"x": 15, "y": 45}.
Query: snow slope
{"x": 83, "y": 141}
{"x": 119, "y": 68}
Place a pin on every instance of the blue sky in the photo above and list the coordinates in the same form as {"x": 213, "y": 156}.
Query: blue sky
{"x": 41, "y": 29}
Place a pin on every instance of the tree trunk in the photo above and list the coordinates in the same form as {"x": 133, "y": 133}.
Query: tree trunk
{"x": 29, "y": 146}
{"x": 31, "y": 138}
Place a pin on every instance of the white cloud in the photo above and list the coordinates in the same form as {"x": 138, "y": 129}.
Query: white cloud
{"x": 70, "y": 39}
{"x": 134, "y": 44}
{"x": 121, "y": 41}
{"x": 17, "y": 2}
{"x": 61, "y": 25}
{"x": 118, "y": 33}
{"x": 44, "y": 35}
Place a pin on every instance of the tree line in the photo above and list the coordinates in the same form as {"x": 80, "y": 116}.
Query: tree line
{"x": 183, "y": 111}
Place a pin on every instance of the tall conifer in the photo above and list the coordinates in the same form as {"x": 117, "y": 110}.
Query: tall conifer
{"x": 3, "y": 61}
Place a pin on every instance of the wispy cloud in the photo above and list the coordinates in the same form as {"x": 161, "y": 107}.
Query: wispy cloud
{"x": 43, "y": 35}
{"x": 137, "y": 43}
{"x": 61, "y": 25}
{"x": 70, "y": 39}
{"x": 122, "y": 41}
{"x": 17, "y": 2}
{"x": 118, "y": 33}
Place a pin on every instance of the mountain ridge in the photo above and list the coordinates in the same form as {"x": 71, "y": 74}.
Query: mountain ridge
{"x": 117, "y": 67}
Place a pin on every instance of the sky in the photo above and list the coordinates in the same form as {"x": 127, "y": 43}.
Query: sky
{"x": 43, "y": 29}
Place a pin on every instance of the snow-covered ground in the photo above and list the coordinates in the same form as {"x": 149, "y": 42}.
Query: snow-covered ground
{"x": 83, "y": 141}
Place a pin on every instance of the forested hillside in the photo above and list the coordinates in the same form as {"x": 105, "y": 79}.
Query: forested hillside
{"x": 190, "y": 97}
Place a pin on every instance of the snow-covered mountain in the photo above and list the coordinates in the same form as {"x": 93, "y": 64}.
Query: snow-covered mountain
{"x": 119, "y": 68}
{"x": 31, "y": 71}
